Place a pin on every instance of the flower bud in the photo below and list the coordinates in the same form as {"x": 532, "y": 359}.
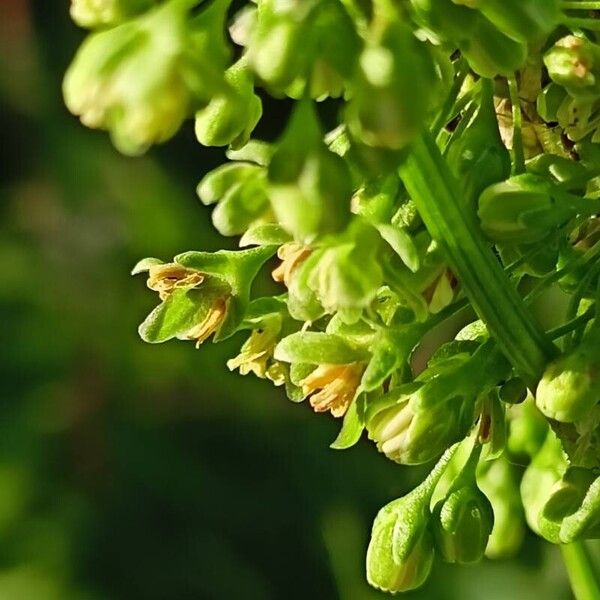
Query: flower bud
{"x": 240, "y": 189}
{"x": 573, "y": 62}
{"x": 295, "y": 45}
{"x": 309, "y": 186}
{"x": 347, "y": 276}
{"x": 463, "y": 521}
{"x": 490, "y": 52}
{"x": 410, "y": 434}
{"x": 393, "y": 90}
{"x": 400, "y": 553}
{"x": 499, "y": 480}
{"x": 546, "y": 468}
{"x": 570, "y": 386}
{"x": 141, "y": 79}
{"x": 522, "y": 209}
{"x": 230, "y": 117}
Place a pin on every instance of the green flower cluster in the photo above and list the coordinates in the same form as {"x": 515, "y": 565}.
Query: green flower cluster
{"x": 437, "y": 249}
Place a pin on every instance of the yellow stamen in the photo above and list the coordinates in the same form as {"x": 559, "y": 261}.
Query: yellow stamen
{"x": 210, "y": 324}
{"x": 335, "y": 387}
{"x": 164, "y": 279}
{"x": 291, "y": 255}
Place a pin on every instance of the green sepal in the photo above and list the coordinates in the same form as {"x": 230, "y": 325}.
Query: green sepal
{"x": 352, "y": 426}
{"x": 265, "y": 234}
{"x": 238, "y": 269}
{"x": 402, "y": 244}
{"x": 544, "y": 471}
{"x": 181, "y": 311}
{"x": 309, "y": 185}
{"x": 478, "y": 157}
{"x": 317, "y": 348}
{"x": 144, "y": 265}
{"x": 215, "y": 184}
{"x": 584, "y": 523}
{"x": 463, "y": 519}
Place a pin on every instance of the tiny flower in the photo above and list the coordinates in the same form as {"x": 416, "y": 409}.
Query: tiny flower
{"x": 332, "y": 387}
{"x": 256, "y": 356}
{"x": 291, "y": 255}
{"x": 141, "y": 79}
{"x": 165, "y": 278}
{"x": 211, "y": 322}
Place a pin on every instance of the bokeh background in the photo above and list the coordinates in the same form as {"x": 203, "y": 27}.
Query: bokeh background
{"x": 140, "y": 472}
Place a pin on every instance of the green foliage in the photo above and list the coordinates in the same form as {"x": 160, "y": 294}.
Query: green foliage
{"x": 459, "y": 180}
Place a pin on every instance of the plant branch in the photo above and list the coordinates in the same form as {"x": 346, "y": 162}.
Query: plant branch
{"x": 434, "y": 191}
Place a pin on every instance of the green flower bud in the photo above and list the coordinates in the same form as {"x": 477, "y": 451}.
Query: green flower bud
{"x": 393, "y": 89}
{"x": 230, "y": 117}
{"x": 299, "y": 44}
{"x": 523, "y": 209}
{"x": 141, "y": 79}
{"x": 241, "y": 192}
{"x": 100, "y": 13}
{"x": 527, "y": 429}
{"x": 309, "y": 186}
{"x": 570, "y": 387}
{"x": 546, "y": 468}
{"x": 348, "y": 275}
{"x": 499, "y": 480}
{"x": 567, "y": 497}
{"x": 573, "y": 62}
{"x": 409, "y": 434}
{"x": 414, "y": 423}
{"x": 408, "y": 519}
{"x": 490, "y": 52}
{"x": 463, "y": 520}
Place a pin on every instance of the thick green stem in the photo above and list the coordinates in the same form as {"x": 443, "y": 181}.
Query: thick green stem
{"x": 493, "y": 296}
{"x": 581, "y": 573}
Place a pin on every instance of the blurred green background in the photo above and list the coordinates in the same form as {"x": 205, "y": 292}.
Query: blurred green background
{"x": 135, "y": 472}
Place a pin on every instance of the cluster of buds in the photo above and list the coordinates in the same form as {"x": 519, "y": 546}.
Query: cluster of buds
{"x": 458, "y": 187}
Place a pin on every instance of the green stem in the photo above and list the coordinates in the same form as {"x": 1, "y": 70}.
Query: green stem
{"x": 580, "y": 571}
{"x": 590, "y": 24}
{"x": 493, "y": 296}
{"x": 517, "y": 142}
{"x": 580, "y": 5}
